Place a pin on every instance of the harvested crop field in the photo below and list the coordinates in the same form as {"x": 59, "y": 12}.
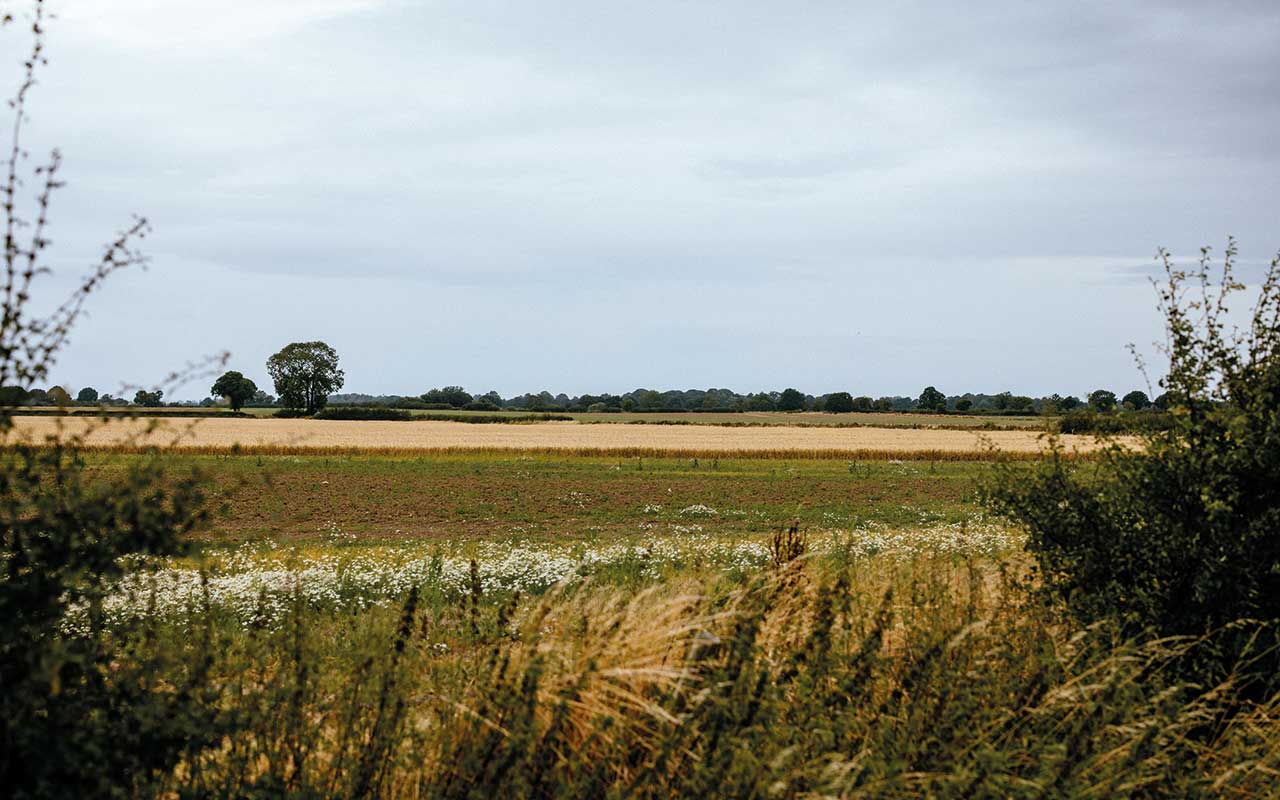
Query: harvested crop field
{"x": 279, "y": 436}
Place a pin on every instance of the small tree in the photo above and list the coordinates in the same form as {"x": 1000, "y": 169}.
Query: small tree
{"x": 1102, "y": 400}
{"x": 235, "y": 387}
{"x": 59, "y": 396}
{"x": 964, "y": 404}
{"x": 148, "y": 399}
{"x": 87, "y": 396}
{"x": 838, "y": 403}
{"x": 305, "y": 374}
{"x": 932, "y": 400}
{"x": 791, "y": 400}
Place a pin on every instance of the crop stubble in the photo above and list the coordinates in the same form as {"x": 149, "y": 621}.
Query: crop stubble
{"x": 282, "y": 436}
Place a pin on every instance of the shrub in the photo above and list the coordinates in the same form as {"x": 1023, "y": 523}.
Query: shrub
{"x": 291, "y": 413}
{"x": 1088, "y": 421}
{"x": 1179, "y": 535}
{"x": 362, "y": 413}
{"x": 83, "y": 712}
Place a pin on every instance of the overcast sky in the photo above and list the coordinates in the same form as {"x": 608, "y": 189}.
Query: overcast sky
{"x": 596, "y": 196}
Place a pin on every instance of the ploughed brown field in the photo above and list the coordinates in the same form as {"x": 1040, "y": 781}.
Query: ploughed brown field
{"x": 275, "y": 436}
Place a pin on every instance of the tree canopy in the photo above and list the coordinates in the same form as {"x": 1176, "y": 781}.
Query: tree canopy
{"x": 149, "y": 399}
{"x": 1136, "y": 400}
{"x": 838, "y": 403}
{"x": 791, "y": 400}
{"x": 1102, "y": 400}
{"x": 932, "y": 400}
{"x": 235, "y": 387}
{"x": 305, "y": 373}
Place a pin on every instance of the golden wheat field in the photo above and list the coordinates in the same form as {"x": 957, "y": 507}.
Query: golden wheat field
{"x": 303, "y": 435}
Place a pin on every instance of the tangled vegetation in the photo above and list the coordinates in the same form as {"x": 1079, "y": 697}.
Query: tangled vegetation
{"x": 1180, "y": 535}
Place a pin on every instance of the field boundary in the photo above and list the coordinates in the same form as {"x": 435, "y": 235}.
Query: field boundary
{"x": 780, "y": 454}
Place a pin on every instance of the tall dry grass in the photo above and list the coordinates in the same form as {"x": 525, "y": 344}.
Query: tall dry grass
{"x": 822, "y": 677}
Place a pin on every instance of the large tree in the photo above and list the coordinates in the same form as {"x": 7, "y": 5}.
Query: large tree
{"x": 305, "y": 374}
{"x": 235, "y": 387}
{"x": 1102, "y": 400}
{"x": 791, "y": 400}
{"x": 148, "y": 399}
{"x": 932, "y": 400}
{"x": 1136, "y": 400}
{"x": 838, "y": 403}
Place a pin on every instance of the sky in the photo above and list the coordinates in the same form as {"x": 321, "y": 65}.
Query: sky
{"x": 598, "y": 196}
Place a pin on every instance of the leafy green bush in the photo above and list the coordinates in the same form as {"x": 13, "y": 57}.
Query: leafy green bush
{"x": 291, "y": 413}
{"x": 1182, "y": 533}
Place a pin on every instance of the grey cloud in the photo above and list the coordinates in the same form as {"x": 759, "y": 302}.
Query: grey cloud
{"x": 694, "y": 170}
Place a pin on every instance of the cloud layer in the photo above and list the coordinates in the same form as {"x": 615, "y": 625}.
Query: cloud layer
{"x": 593, "y": 196}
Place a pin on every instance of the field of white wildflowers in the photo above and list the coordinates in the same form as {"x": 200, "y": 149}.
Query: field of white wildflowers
{"x": 257, "y": 583}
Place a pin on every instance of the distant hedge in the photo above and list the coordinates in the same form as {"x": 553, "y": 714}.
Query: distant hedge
{"x": 1086, "y": 420}
{"x": 355, "y": 412}
{"x": 125, "y": 411}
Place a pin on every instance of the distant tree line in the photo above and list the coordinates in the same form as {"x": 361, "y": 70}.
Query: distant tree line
{"x": 306, "y": 376}
{"x": 930, "y": 400}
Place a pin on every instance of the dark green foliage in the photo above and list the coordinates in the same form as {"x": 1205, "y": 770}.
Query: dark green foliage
{"x": 152, "y": 399}
{"x": 449, "y": 396}
{"x": 305, "y": 374}
{"x": 88, "y": 395}
{"x": 964, "y": 404}
{"x": 932, "y": 400}
{"x": 84, "y": 712}
{"x": 358, "y": 412}
{"x": 837, "y": 403}
{"x": 762, "y": 401}
{"x": 1086, "y": 420}
{"x": 1179, "y": 535}
{"x": 791, "y": 400}
{"x": 235, "y": 387}
{"x": 1016, "y": 403}
{"x": 1136, "y": 400}
{"x": 1102, "y": 400}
